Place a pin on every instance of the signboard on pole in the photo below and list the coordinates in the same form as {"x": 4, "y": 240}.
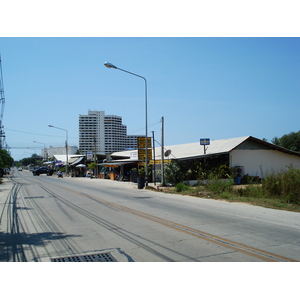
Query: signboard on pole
{"x": 204, "y": 142}
{"x": 89, "y": 155}
{"x": 142, "y": 148}
{"x": 142, "y": 154}
{"x": 157, "y": 162}
{"x": 142, "y": 142}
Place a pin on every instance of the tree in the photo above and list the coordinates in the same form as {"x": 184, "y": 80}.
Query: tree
{"x": 92, "y": 166}
{"x": 5, "y": 159}
{"x": 173, "y": 173}
{"x": 276, "y": 141}
{"x": 289, "y": 141}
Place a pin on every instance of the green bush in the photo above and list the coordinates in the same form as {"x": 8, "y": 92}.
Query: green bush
{"x": 173, "y": 173}
{"x": 181, "y": 187}
{"x": 206, "y": 171}
{"x": 284, "y": 185}
{"x": 251, "y": 191}
{"x": 219, "y": 186}
{"x": 141, "y": 172}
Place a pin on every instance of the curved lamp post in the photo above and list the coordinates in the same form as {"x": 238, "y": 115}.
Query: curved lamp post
{"x": 45, "y": 152}
{"x": 111, "y": 66}
{"x": 67, "y": 169}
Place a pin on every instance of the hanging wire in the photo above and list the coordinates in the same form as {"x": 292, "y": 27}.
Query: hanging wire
{"x": 143, "y": 128}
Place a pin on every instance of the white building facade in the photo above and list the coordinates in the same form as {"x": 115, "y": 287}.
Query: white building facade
{"x": 103, "y": 134}
{"x": 52, "y": 151}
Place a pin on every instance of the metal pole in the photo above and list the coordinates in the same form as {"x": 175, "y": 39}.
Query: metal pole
{"x": 67, "y": 169}
{"x": 153, "y": 147}
{"x": 45, "y": 150}
{"x": 109, "y": 65}
{"x": 162, "y": 152}
{"x": 146, "y": 108}
{"x": 95, "y": 156}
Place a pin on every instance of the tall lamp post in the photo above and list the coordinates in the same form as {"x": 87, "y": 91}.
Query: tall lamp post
{"x": 45, "y": 151}
{"x": 111, "y": 66}
{"x": 67, "y": 169}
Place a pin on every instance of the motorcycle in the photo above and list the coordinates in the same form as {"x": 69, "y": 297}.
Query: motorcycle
{"x": 59, "y": 174}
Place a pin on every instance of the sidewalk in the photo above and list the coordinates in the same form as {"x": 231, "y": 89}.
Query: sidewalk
{"x": 5, "y": 189}
{"x": 129, "y": 183}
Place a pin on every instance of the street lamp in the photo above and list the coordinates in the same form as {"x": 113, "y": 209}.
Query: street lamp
{"x": 45, "y": 151}
{"x": 111, "y": 66}
{"x": 67, "y": 169}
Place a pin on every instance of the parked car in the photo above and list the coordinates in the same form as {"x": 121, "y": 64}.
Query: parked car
{"x": 42, "y": 170}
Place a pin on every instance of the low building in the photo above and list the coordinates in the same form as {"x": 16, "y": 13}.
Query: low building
{"x": 248, "y": 154}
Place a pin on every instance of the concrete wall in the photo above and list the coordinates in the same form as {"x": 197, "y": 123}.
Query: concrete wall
{"x": 261, "y": 162}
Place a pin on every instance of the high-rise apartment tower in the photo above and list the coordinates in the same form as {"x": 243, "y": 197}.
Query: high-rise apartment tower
{"x": 104, "y": 133}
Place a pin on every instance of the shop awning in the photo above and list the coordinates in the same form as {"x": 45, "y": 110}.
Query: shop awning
{"x": 110, "y": 165}
{"x": 117, "y": 164}
{"x": 77, "y": 161}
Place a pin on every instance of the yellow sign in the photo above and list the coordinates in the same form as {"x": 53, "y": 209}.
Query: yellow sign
{"x": 142, "y": 142}
{"x": 157, "y": 162}
{"x": 142, "y": 154}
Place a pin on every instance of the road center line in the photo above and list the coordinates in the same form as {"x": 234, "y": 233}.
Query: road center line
{"x": 248, "y": 250}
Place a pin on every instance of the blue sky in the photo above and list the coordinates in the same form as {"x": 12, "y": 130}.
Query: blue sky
{"x": 213, "y": 88}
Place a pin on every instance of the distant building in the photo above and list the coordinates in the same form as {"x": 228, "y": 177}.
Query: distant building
{"x": 104, "y": 134}
{"x": 52, "y": 151}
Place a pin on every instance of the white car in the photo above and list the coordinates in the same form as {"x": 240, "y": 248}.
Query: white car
{"x": 20, "y": 169}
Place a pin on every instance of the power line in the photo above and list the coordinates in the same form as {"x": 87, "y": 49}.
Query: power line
{"x": 143, "y": 128}
{"x": 41, "y": 134}
{"x": 2, "y": 103}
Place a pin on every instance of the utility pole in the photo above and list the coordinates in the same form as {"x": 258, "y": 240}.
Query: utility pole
{"x": 154, "y": 180}
{"x": 95, "y": 156}
{"x": 2, "y": 102}
{"x": 162, "y": 152}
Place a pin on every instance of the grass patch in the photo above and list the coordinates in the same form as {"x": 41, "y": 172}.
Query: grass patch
{"x": 238, "y": 196}
{"x": 281, "y": 191}
{"x": 180, "y": 187}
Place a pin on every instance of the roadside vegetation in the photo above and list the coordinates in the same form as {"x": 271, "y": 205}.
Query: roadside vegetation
{"x": 5, "y": 160}
{"x": 289, "y": 141}
{"x": 278, "y": 191}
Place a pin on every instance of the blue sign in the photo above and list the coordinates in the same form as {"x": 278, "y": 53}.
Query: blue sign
{"x": 204, "y": 142}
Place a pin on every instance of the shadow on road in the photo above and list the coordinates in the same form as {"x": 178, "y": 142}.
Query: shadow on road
{"x": 12, "y": 245}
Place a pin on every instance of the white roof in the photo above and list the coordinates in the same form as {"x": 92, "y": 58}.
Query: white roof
{"x": 63, "y": 157}
{"x": 193, "y": 149}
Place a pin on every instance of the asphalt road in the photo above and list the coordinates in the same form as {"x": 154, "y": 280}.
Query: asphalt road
{"x": 46, "y": 218}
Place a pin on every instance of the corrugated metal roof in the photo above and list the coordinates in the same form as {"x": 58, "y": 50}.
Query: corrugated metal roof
{"x": 193, "y": 149}
{"x": 63, "y": 157}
